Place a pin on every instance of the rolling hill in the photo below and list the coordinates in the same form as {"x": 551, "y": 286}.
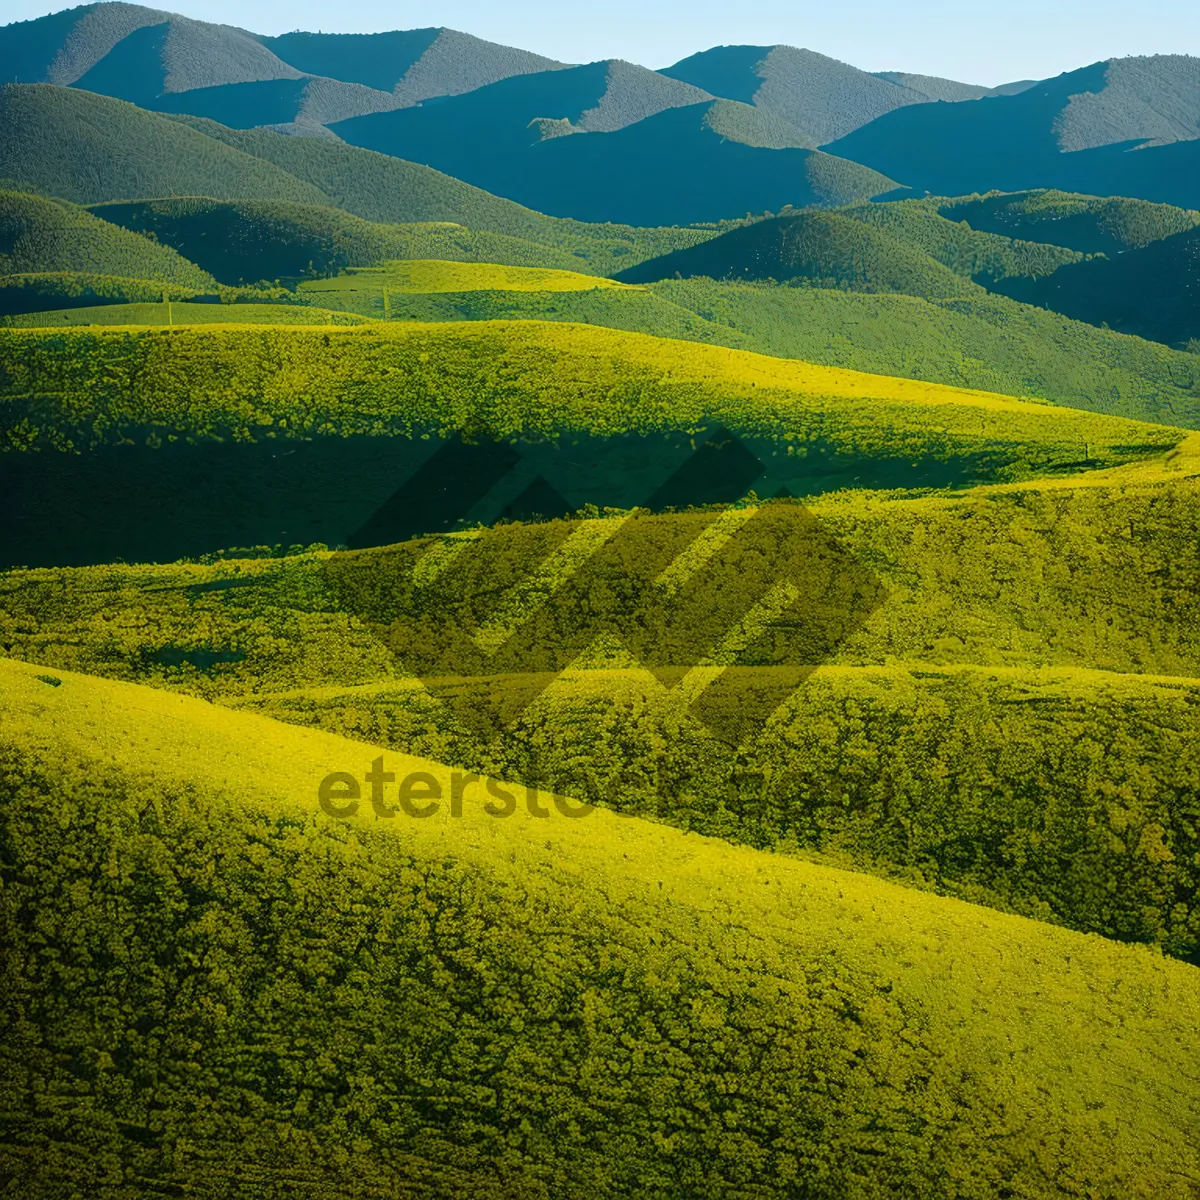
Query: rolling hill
{"x": 950, "y": 90}
{"x": 92, "y": 149}
{"x": 483, "y": 136}
{"x": 956, "y": 663}
{"x": 988, "y": 343}
{"x": 667, "y": 157}
{"x": 413, "y": 65}
{"x": 303, "y": 435}
{"x": 163, "y": 61}
{"x": 245, "y": 242}
{"x": 1090, "y": 224}
{"x": 1152, "y": 291}
{"x": 177, "y": 55}
{"x": 88, "y": 148}
{"x": 825, "y": 98}
{"x": 474, "y": 1024}
{"x": 822, "y": 249}
{"x": 38, "y": 234}
{"x": 1074, "y": 132}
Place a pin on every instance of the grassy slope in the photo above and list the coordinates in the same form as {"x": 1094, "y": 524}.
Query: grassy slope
{"x": 987, "y": 342}
{"x": 436, "y": 276}
{"x": 818, "y": 94}
{"x": 984, "y": 257}
{"x": 39, "y": 234}
{"x": 88, "y": 386}
{"x": 1015, "y": 645}
{"x": 251, "y": 240}
{"x": 92, "y": 149}
{"x": 1090, "y": 224}
{"x": 380, "y": 188}
{"x": 823, "y": 249}
{"x": 89, "y": 148}
{"x": 182, "y": 313}
{"x": 1150, "y": 291}
{"x": 882, "y": 1040}
{"x": 1014, "y": 143}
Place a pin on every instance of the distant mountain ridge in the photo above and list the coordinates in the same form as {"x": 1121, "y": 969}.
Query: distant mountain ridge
{"x": 1126, "y": 127}
{"x": 724, "y": 132}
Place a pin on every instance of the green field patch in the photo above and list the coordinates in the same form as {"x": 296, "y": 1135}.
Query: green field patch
{"x": 433, "y": 275}
{"x": 168, "y": 314}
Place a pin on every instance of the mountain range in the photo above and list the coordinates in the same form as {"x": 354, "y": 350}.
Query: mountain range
{"x": 730, "y": 130}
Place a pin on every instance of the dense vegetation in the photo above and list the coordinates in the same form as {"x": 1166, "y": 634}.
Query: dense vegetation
{"x": 88, "y": 148}
{"x": 1152, "y": 291}
{"x": 38, "y": 234}
{"x": 48, "y": 292}
{"x": 452, "y": 1008}
{"x": 244, "y": 242}
{"x": 852, "y": 249}
{"x": 1017, "y": 142}
{"x": 1090, "y": 224}
{"x": 390, "y": 190}
{"x": 522, "y": 379}
{"x": 668, "y": 154}
{"x": 989, "y": 343}
{"x": 1021, "y": 585}
{"x": 986, "y": 342}
{"x": 92, "y": 149}
{"x": 819, "y": 95}
{"x": 987, "y": 258}
{"x": 194, "y": 311}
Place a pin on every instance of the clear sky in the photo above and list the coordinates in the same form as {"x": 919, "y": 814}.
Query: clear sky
{"x": 978, "y": 41}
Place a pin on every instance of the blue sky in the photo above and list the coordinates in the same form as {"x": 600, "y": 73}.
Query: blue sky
{"x": 971, "y": 40}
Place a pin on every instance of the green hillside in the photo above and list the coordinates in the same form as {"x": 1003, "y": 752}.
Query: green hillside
{"x": 91, "y": 149}
{"x": 406, "y": 377}
{"x": 63, "y": 46}
{"x": 88, "y": 148}
{"x": 413, "y": 64}
{"x": 988, "y": 342}
{"x": 380, "y": 188}
{"x": 184, "y": 311}
{"x": 819, "y": 249}
{"x": 301, "y": 106}
{"x": 676, "y": 166}
{"x": 484, "y": 136}
{"x": 180, "y": 442}
{"x": 249, "y": 240}
{"x": 934, "y": 87}
{"x": 242, "y": 242}
{"x": 1090, "y": 224}
{"x": 38, "y": 234}
{"x": 1073, "y": 132}
{"x": 993, "y": 648}
{"x": 1153, "y": 291}
{"x": 490, "y": 1030}
{"x": 177, "y": 55}
{"x": 988, "y": 258}
{"x": 825, "y": 98}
